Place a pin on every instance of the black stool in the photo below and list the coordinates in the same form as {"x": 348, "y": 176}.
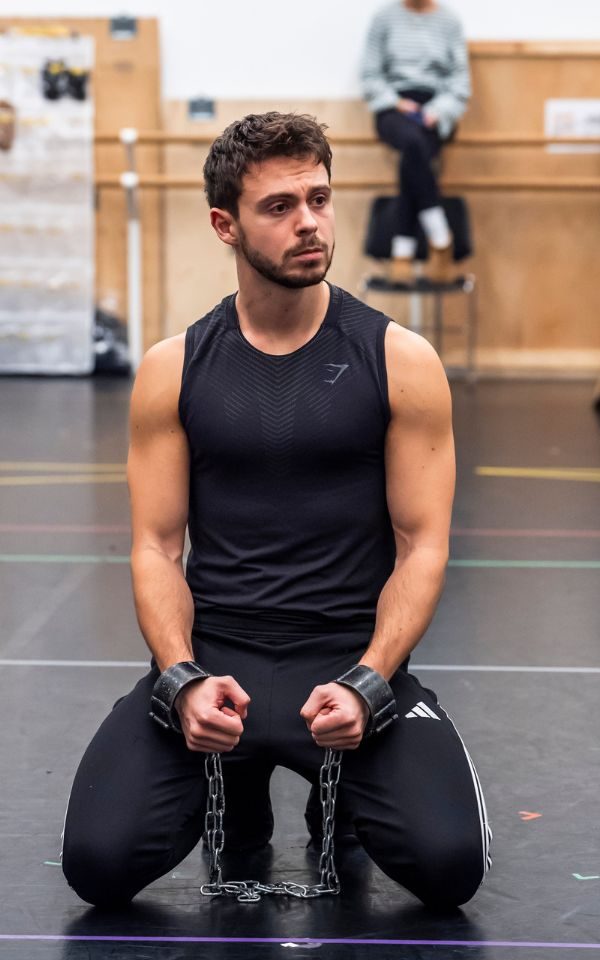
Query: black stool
{"x": 378, "y": 244}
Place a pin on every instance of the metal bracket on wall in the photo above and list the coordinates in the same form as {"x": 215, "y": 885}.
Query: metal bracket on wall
{"x": 201, "y": 108}
{"x": 123, "y": 28}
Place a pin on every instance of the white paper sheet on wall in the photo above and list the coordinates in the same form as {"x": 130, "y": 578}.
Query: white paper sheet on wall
{"x": 47, "y": 206}
{"x": 572, "y": 118}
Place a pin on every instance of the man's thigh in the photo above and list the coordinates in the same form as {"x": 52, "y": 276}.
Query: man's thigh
{"x": 416, "y": 800}
{"x": 138, "y": 802}
{"x": 137, "y": 783}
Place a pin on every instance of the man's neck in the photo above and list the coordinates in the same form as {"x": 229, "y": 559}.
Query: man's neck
{"x": 277, "y": 319}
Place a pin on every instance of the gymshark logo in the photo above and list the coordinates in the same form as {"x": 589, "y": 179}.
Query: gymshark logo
{"x": 332, "y": 367}
{"x": 422, "y": 710}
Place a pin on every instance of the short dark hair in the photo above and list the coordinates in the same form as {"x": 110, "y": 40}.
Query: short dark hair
{"x": 253, "y": 139}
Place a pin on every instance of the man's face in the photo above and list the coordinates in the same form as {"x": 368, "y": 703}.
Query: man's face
{"x": 285, "y": 221}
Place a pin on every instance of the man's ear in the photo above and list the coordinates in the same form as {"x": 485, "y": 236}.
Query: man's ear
{"x": 224, "y": 225}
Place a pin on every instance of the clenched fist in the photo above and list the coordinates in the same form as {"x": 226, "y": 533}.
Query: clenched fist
{"x": 335, "y": 716}
{"x": 208, "y": 724}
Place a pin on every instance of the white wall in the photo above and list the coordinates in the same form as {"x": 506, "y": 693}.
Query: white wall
{"x": 310, "y": 49}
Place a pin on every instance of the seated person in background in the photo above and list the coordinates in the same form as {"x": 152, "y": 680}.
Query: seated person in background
{"x": 415, "y": 78}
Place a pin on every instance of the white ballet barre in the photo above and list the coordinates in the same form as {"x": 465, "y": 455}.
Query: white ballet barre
{"x": 130, "y": 182}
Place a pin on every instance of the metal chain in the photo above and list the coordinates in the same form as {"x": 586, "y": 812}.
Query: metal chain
{"x": 249, "y": 891}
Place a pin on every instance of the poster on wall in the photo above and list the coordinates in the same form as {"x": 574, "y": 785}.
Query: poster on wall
{"x": 572, "y": 118}
{"x": 47, "y": 260}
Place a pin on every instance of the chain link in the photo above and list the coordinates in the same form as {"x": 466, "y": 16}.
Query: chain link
{"x": 249, "y": 891}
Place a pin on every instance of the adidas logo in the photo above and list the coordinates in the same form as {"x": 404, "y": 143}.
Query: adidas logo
{"x": 422, "y": 710}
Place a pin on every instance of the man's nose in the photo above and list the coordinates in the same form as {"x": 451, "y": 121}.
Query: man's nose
{"x": 306, "y": 222}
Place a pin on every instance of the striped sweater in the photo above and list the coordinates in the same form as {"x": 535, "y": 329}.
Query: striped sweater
{"x": 408, "y": 50}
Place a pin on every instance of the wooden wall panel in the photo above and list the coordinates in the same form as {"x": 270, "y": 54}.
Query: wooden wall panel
{"x": 537, "y": 251}
{"x": 126, "y": 86}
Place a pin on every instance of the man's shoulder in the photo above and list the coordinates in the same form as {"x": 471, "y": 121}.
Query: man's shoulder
{"x": 407, "y": 349}
{"x": 156, "y": 388}
{"x": 159, "y": 373}
{"x": 166, "y": 352}
{"x": 416, "y": 377}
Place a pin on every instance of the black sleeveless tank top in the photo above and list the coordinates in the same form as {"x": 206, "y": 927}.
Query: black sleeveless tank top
{"x": 288, "y": 519}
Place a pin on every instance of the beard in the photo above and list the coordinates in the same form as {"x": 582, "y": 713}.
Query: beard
{"x": 288, "y": 273}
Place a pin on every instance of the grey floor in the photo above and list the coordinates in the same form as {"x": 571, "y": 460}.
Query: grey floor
{"x": 513, "y": 653}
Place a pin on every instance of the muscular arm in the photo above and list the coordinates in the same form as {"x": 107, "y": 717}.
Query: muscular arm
{"x": 157, "y": 474}
{"x": 158, "y": 477}
{"x": 420, "y": 487}
{"x": 420, "y": 475}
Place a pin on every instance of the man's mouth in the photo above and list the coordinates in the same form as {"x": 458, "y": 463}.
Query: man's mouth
{"x": 310, "y": 253}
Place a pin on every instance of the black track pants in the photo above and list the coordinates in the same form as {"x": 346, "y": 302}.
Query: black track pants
{"x": 137, "y": 804}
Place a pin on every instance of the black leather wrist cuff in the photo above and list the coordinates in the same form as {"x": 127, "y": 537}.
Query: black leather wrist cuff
{"x": 169, "y": 684}
{"x": 377, "y": 694}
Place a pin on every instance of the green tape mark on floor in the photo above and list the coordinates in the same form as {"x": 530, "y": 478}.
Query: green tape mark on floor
{"x": 530, "y": 564}
{"x": 59, "y": 558}
{"x": 483, "y": 564}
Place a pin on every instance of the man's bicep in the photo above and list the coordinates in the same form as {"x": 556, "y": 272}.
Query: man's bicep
{"x": 420, "y": 463}
{"x": 420, "y": 486}
{"x": 159, "y": 487}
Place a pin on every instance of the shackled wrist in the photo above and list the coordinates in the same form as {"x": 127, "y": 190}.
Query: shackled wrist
{"x": 166, "y": 689}
{"x": 376, "y": 693}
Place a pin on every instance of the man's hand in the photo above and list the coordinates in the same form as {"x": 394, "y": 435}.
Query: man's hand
{"x": 335, "y": 716}
{"x": 407, "y": 106}
{"x": 208, "y": 724}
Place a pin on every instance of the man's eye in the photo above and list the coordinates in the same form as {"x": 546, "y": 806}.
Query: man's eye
{"x": 279, "y": 208}
{"x": 320, "y": 200}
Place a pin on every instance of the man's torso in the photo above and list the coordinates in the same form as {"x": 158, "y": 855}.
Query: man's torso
{"x": 288, "y": 516}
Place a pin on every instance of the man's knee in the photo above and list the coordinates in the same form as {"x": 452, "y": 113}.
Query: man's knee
{"x": 443, "y": 872}
{"x": 100, "y": 873}
{"x": 448, "y": 874}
